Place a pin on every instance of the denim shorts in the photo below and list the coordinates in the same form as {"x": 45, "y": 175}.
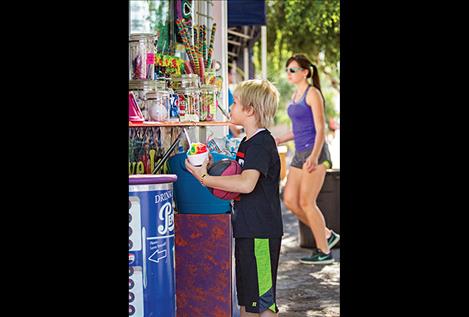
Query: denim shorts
{"x": 300, "y": 157}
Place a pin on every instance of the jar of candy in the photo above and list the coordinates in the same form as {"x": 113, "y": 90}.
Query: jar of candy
{"x": 185, "y": 81}
{"x": 174, "y": 107}
{"x": 142, "y": 56}
{"x": 208, "y": 102}
{"x": 210, "y": 77}
{"x": 143, "y": 90}
{"x": 190, "y": 81}
{"x": 157, "y": 104}
{"x": 189, "y": 104}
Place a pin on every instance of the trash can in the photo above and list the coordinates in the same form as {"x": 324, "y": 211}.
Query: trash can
{"x": 152, "y": 290}
{"x": 329, "y": 203}
{"x": 189, "y": 195}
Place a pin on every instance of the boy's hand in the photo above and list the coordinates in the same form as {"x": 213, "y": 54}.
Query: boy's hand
{"x": 197, "y": 171}
{"x": 210, "y": 158}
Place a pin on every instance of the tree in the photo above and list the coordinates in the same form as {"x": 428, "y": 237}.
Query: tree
{"x": 311, "y": 27}
{"x": 305, "y": 26}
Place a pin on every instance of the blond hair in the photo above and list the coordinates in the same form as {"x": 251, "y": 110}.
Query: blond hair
{"x": 262, "y": 96}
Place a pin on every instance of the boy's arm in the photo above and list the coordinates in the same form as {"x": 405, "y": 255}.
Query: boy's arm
{"x": 243, "y": 183}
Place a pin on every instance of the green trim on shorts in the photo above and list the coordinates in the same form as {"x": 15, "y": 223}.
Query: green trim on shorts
{"x": 264, "y": 272}
{"x": 273, "y": 308}
{"x": 262, "y": 254}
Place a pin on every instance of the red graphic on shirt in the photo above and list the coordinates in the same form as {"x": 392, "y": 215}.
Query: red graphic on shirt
{"x": 240, "y": 154}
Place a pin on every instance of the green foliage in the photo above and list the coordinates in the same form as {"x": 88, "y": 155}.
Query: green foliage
{"x": 308, "y": 26}
{"x": 286, "y": 90}
{"x": 159, "y": 17}
{"x": 311, "y": 27}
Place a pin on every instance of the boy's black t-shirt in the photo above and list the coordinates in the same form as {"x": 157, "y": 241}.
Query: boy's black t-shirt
{"x": 258, "y": 214}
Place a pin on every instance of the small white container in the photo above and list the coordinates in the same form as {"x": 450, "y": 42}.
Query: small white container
{"x": 197, "y": 159}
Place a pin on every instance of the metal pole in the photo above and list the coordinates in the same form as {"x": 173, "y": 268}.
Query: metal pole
{"x": 246, "y": 56}
{"x": 246, "y": 63}
{"x": 264, "y": 51}
{"x": 220, "y": 15}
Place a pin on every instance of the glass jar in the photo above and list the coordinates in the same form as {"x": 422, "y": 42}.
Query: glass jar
{"x": 208, "y": 102}
{"x": 142, "y": 89}
{"x": 142, "y": 56}
{"x": 157, "y": 104}
{"x": 189, "y": 104}
{"x": 210, "y": 77}
{"x": 185, "y": 81}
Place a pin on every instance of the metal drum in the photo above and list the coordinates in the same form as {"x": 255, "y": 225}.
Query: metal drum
{"x": 152, "y": 290}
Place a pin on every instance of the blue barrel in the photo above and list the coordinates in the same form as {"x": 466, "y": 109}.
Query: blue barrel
{"x": 189, "y": 195}
{"x": 152, "y": 289}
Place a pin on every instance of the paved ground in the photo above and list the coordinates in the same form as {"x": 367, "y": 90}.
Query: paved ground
{"x": 305, "y": 290}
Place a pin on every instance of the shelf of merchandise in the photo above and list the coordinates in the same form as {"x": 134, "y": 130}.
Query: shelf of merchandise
{"x": 178, "y": 124}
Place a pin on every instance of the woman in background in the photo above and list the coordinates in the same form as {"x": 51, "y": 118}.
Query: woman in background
{"x": 312, "y": 157}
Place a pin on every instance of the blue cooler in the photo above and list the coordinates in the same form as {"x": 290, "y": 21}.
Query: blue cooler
{"x": 189, "y": 195}
{"x": 152, "y": 291}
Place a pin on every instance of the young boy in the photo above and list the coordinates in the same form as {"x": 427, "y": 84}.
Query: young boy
{"x": 257, "y": 219}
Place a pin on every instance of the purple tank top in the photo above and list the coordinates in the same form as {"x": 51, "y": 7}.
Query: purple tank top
{"x": 304, "y": 129}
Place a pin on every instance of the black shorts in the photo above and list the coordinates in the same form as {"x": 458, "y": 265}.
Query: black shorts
{"x": 256, "y": 273}
{"x": 300, "y": 157}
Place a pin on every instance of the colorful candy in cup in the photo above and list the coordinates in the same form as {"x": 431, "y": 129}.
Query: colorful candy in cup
{"x": 197, "y": 154}
{"x": 197, "y": 148}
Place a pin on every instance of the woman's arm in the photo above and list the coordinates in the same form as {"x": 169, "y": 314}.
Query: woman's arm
{"x": 314, "y": 99}
{"x": 284, "y": 138}
{"x": 287, "y": 136}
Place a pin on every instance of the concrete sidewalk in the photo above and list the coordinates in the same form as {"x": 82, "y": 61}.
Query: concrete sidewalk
{"x": 305, "y": 290}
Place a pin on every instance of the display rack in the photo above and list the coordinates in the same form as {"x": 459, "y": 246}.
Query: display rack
{"x": 178, "y": 124}
{"x": 151, "y": 143}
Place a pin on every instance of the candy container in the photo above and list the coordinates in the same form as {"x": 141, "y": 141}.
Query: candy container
{"x": 197, "y": 153}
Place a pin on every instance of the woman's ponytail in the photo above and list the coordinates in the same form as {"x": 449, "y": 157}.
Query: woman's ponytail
{"x": 315, "y": 76}
{"x": 317, "y": 83}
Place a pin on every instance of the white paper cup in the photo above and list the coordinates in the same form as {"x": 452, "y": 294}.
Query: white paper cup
{"x": 197, "y": 159}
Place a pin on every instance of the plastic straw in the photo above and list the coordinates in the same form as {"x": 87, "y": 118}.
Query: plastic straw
{"x": 187, "y": 136}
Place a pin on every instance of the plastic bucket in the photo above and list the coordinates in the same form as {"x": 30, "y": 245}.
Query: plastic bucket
{"x": 189, "y": 195}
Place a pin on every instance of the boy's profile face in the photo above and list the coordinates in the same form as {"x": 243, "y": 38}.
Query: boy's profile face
{"x": 237, "y": 113}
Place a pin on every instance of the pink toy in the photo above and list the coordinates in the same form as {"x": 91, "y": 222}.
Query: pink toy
{"x": 135, "y": 115}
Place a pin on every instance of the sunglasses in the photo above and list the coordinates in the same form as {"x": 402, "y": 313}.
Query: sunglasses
{"x": 293, "y": 70}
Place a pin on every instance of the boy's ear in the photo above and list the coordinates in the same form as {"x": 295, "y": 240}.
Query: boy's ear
{"x": 250, "y": 111}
